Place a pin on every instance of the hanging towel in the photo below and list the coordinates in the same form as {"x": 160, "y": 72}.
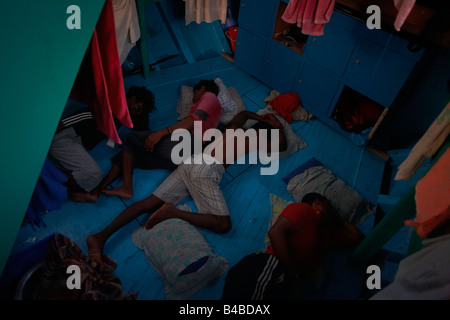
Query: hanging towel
{"x": 127, "y": 26}
{"x": 48, "y": 194}
{"x": 404, "y": 7}
{"x": 426, "y": 146}
{"x": 432, "y": 197}
{"x": 99, "y": 82}
{"x": 205, "y": 10}
{"x": 309, "y": 15}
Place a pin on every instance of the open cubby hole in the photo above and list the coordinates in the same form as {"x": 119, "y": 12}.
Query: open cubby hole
{"x": 355, "y": 112}
{"x": 288, "y": 34}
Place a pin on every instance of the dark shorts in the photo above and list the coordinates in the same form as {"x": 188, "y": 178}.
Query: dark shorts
{"x": 258, "y": 276}
{"x": 160, "y": 158}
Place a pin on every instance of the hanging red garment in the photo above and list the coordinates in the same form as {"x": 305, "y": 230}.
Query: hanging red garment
{"x": 285, "y": 104}
{"x": 309, "y": 15}
{"x": 99, "y": 82}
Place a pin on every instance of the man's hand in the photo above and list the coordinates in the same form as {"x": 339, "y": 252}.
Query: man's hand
{"x": 241, "y": 118}
{"x": 272, "y": 120}
{"x": 152, "y": 140}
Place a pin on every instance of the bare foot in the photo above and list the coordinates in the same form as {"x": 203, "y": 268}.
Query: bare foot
{"x": 167, "y": 211}
{"x": 121, "y": 191}
{"x": 95, "y": 250}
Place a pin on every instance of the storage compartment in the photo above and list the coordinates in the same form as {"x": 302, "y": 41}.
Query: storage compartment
{"x": 357, "y": 113}
{"x": 288, "y": 34}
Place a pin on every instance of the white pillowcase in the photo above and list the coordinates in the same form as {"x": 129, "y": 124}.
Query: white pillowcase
{"x": 172, "y": 246}
{"x": 293, "y": 141}
{"x": 229, "y": 107}
{"x": 184, "y": 104}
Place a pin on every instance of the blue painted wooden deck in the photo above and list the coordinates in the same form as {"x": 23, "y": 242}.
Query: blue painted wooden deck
{"x": 246, "y": 191}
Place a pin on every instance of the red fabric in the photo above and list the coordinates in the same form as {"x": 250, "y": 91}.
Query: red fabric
{"x": 285, "y": 104}
{"x": 210, "y": 105}
{"x": 310, "y": 15}
{"x": 311, "y": 240}
{"x": 367, "y": 113}
{"x": 99, "y": 82}
{"x": 308, "y": 241}
{"x": 432, "y": 197}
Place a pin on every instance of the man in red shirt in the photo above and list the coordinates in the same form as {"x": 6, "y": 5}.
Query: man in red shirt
{"x": 300, "y": 239}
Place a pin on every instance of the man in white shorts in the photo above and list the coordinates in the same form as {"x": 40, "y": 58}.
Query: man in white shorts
{"x": 199, "y": 179}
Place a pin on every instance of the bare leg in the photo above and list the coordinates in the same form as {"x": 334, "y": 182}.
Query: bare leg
{"x": 112, "y": 175}
{"x": 219, "y": 224}
{"x": 126, "y": 189}
{"x": 96, "y": 242}
{"x": 94, "y": 194}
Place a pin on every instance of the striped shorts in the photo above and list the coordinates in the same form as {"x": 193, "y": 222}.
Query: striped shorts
{"x": 258, "y": 276}
{"x": 201, "y": 182}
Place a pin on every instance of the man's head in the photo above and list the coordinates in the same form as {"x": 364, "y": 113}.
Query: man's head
{"x": 202, "y": 86}
{"x": 141, "y": 101}
{"x": 318, "y": 201}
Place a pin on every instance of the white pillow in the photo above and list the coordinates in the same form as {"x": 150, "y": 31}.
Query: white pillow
{"x": 172, "y": 248}
{"x": 229, "y": 107}
{"x": 237, "y": 99}
{"x": 293, "y": 141}
{"x": 184, "y": 104}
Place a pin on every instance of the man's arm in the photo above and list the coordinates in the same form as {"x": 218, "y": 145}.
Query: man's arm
{"x": 241, "y": 118}
{"x": 279, "y": 235}
{"x": 273, "y": 121}
{"x": 349, "y": 236}
{"x": 155, "y": 137}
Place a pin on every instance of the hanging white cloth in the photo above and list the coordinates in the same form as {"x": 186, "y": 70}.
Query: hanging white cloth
{"x": 430, "y": 142}
{"x": 127, "y": 26}
{"x": 205, "y": 10}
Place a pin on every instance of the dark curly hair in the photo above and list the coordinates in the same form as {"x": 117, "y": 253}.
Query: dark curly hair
{"x": 313, "y": 196}
{"x": 144, "y": 95}
{"x": 210, "y": 85}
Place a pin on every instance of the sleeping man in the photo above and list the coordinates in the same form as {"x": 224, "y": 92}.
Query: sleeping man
{"x": 300, "y": 239}
{"x": 78, "y": 133}
{"x": 152, "y": 150}
{"x": 199, "y": 178}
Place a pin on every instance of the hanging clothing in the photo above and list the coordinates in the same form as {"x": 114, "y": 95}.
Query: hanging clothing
{"x": 430, "y": 142}
{"x": 205, "y": 10}
{"x": 48, "y": 195}
{"x": 404, "y": 7}
{"x": 309, "y": 15}
{"x": 127, "y": 26}
{"x": 423, "y": 275}
{"x": 99, "y": 82}
{"x": 432, "y": 200}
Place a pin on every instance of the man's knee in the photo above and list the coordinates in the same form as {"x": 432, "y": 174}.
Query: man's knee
{"x": 97, "y": 175}
{"x": 90, "y": 178}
